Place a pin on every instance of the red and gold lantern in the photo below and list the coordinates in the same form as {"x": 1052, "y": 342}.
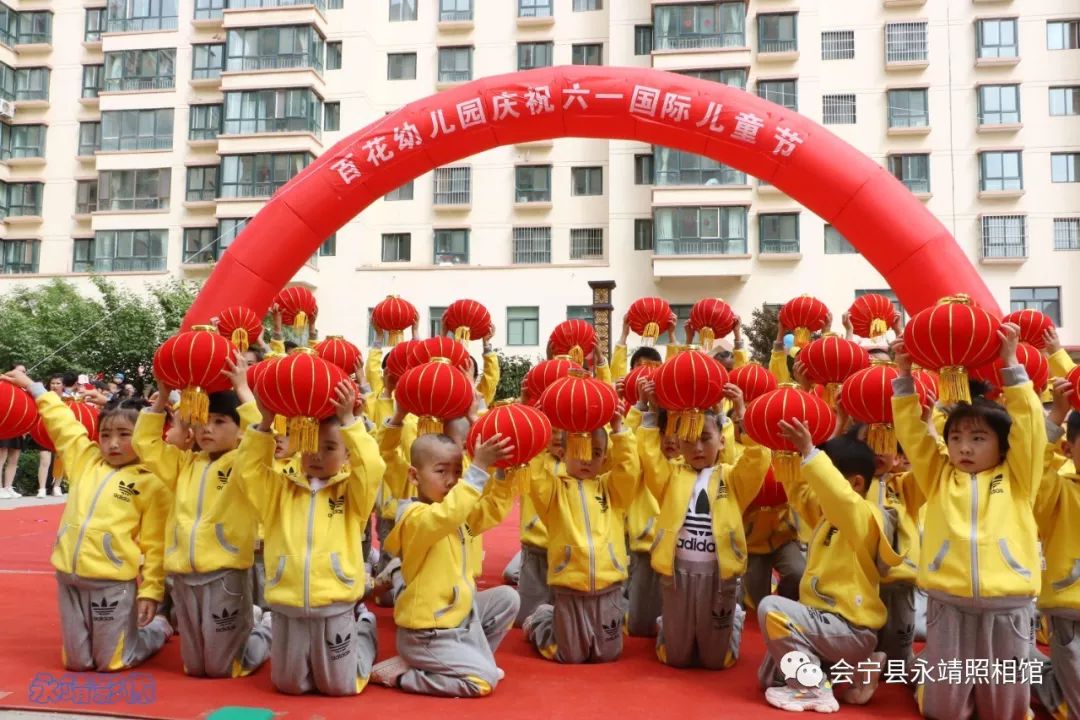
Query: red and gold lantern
{"x": 754, "y": 380}
{"x": 1074, "y": 396}
{"x": 300, "y": 387}
{"x": 399, "y": 359}
{"x": 18, "y": 413}
{"x": 528, "y": 429}
{"x": 441, "y": 347}
{"x": 804, "y": 315}
{"x": 1033, "y": 325}
{"x": 84, "y": 412}
{"x": 830, "y": 361}
{"x": 648, "y": 317}
{"x": 575, "y": 338}
{"x": 194, "y": 362}
{"x": 394, "y": 315}
{"x": 771, "y": 494}
{"x": 254, "y": 373}
{"x": 241, "y": 325}
{"x": 928, "y": 379}
{"x": 867, "y": 397}
{"x": 339, "y": 351}
{"x": 435, "y": 393}
{"x": 872, "y": 315}
{"x": 788, "y": 403}
{"x": 711, "y": 318}
{"x": 952, "y": 337}
{"x": 542, "y": 374}
{"x": 644, "y": 369}
{"x": 1034, "y": 362}
{"x": 298, "y": 307}
{"x": 687, "y": 386}
{"x": 579, "y": 404}
{"x": 467, "y": 319}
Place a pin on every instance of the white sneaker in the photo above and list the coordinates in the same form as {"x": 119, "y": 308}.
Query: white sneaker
{"x": 799, "y": 699}
{"x": 267, "y": 619}
{"x": 41, "y": 493}
{"x": 14, "y": 493}
{"x": 389, "y": 672}
{"x": 56, "y": 491}
{"x": 162, "y": 624}
{"x": 256, "y": 614}
{"x": 6, "y": 494}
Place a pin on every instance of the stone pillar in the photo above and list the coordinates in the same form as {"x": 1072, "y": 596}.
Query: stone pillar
{"x": 601, "y": 309}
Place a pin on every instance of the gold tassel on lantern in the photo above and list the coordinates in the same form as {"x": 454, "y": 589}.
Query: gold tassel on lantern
{"x": 579, "y": 446}
{"x": 674, "y": 421}
{"x": 802, "y": 336}
{"x": 304, "y": 434}
{"x": 832, "y": 391}
{"x": 707, "y": 337}
{"x": 462, "y": 334}
{"x": 691, "y": 424}
{"x": 649, "y": 334}
{"x": 787, "y": 465}
{"x": 194, "y": 405}
{"x": 877, "y": 328}
{"x": 395, "y": 337}
{"x": 299, "y": 321}
{"x": 882, "y": 439}
{"x": 954, "y": 385}
{"x": 240, "y": 339}
{"x": 577, "y": 354}
{"x": 672, "y": 350}
{"x": 281, "y": 425}
{"x": 428, "y": 425}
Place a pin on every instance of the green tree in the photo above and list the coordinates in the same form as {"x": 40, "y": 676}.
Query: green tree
{"x": 512, "y": 369}
{"x": 761, "y": 332}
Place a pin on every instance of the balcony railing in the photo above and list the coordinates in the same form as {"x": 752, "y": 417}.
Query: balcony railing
{"x": 22, "y": 151}
{"x": 140, "y": 83}
{"x": 690, "y": 246}
{"x": 147, "y": 142}
{"x": 780, "y": 247}
{"x": 146, "y": 24}
{"x": 251, "y": 190}
{"x": 273, "y": 62}
{"x": 144, "y": 203}
{"x": 204, "y": 255}
{"x": 272, "y": 125}
{"x": 777, "y": 46}
{"x": 532, "y": 251}
{"x": 18, "y": 268}
{"x": 703, "y": 41}
{"x": 201, "y": 195}
{"x": 86, "y": 207}
{"x": 28, "y": 94}
{"x": 209, "y": 9}
{"x": 240, "y": 4}
{"x": 448, "y": 76}
{"x": 148, "y": 264}
{"x": 203, "y": 133}
{"x": 33, "y": 38}
{"x": 529, "y": 195}
{"x": 205, "y": 73}
{"x": 455, "y": 15}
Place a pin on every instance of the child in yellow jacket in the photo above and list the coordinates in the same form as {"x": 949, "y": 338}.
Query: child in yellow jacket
{"x": 980, "y": 565}
{"x": 583, "y": 512}
{"x": 210, "y": 536}
{"x": 112, "y": 532}
{"x": 447, "y": 631}
{"x": 323, "y": 638}
{"x": 532, "y": 566}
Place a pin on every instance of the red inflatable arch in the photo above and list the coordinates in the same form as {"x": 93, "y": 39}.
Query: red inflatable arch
{"x": 886, "y": 223}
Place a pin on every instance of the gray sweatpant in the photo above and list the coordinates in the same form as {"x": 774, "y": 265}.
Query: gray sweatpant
{"x": 1059, "y": 692}
{"x": 218, "y": 636}
{"x": 701, "y": 622}
{"x": 642, "y": 596}
{"x": 788, "y": 560}
{"x": 258, "y": 578}
{"x": 99, "y": 625}
{"x": 532, "y": 584}
{"x": 959, "y": 633}
{"x": 827, "y": 638}
{"x": 330, "y": 650}
{"x": 512, "y": 571}
{"x": 459, "y": 662}
{"x": 895, "y": 638}
{"x": 579, "y": 627}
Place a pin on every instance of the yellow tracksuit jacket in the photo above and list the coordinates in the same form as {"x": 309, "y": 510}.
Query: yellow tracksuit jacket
{"x": 211, "y": 524}
{"x": 395, "y": 444}
{"x": 767, "y": 528}
{"x": 373, "y": 374}
{"x": 731, "y": 487}
{"x": 778, "y": 366}
{"x": 432, "y": 542}
{"x": 643, "y": 512}
{"x": 1060, "y": 364}
{"x": 900, "y": 492}
{"x": 489, "y": 380}
{"x": 849, "y": 543}
{"x": 114, "y": 517}
{"x": 584, "y": 519}
{"x": 1057, "y": 511}
{"x": 313, "y": 538}
{"x": 533, "y": 530}
{"x": 979, "y": 537}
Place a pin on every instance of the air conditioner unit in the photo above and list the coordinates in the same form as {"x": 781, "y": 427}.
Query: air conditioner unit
{"x": 7, "y": 108}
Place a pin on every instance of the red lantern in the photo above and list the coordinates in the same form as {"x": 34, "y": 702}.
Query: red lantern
{"x": 339, "y": 351}
{"x": 441, "y": 347}
{"x": 575, "y": 338}
{"x": 754, "y": 380}
{"x": 1034, "y": 362}
{"x": 644, "y": 369}
{"x": 18, "y": 413}
{"x": 771, "y": 494}
{"x": 648, "y": 317}
{"x": 300, "y": 386}
{"x": 804, "y": 315}
{"x": 254, "y": 375}
{"x": 394, "y": 315}
{"x": 241, "y": 325}
{"x": 468, "y": 319}
{"x": 399, "y": 359}
{"x": 194, "y": 361}
{"x": 952, "y": 337}
{"x": 1033, "y": 325}
{"x": 435, "y": 392}
{"x": 1074, "y": 396}
{"x": 686, "y": 386}
{"x": 579, "y": 404}
{"x": 712, "y": 318}
{"x": 298, "y": 307}
{"x": 528, "y": 429}
{"x": 830, "y": 361}
{"x": 872, "y": 315}
{"x": 542, "y": 374}
{"x": 867, "y": 397}
{"x": 927, "y": 379}
{"x": 762, "y": 423}
{"x": 85, "y": 413}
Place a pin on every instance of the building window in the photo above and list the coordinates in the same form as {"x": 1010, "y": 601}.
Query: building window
{"x": 1063, "y": 34}
{"x": 259, "y": 175}
{"x": 587, "y": 180}
{"x": 999, "y": 104}
{"x": 778, "y": 233}
{"x": 402, "y": 192}
{"x": 22, "y": 141}
{"x": 451, "y": 247}
{"x": 329, "y": 246}
{"x": 908, "y": 108}
{"x": 455, "y": 64}
{"x": 838, "y": 109}
{"x": 1065, "y": 167}
{"x": 396, "y": 247}
{"x": 588, "y": 5}
{"x": 580, "y": 312}
{"x": 401, "y": 66}
{"x": 700, "y": 230}
{"x": 274, "y": 48}
{"x": 140, "y": 70}
{"x": 137, "y": 130}
{"x": 335, "y": 5}
{"x": 531, "y": 246}
{"x": 643, "y": 234}
{"x": 1046, "y": 300}
{"x": 838, "y": 45}
{"x": 1067, "y": 233}
{"x": 32, "y": 83}
{"x": 906, "y": 42}
{"x": 837, "y": 244}
{"x": 89, "y": 138}
{"x": 996, "y": 38}
{"x": 455, "y": 10}
{"x": 209, "y": 9}
{"x": 134, "y": 189}
{"x": 1001, "y": 170}
{"x": 20, "y": 199}
{"x": 523, "y": 326}
{"x": 587, "y": 54}
{"x": 643, "y": 39}
{"x": 19, "y": 257}
{"x": 93, "y": 80}
{"x": 778, "y": 32}
{"x": 532, "y": 183}
{"x": 201, "y": 246}
{"x": 267, "y": 111}
{"x": 93, "y": 25}
{"x": 34, "y": 28}
{"x": 586, "y": 243}
{"x": 435, "y": 326}
{"x": 86, "y": 196}
{"x": 82, "y": 255}
{"x": 643, "y": 170}
{"x": 202, "y": 183}
{"x": 332, "y": 116}
{"x": 705, "y": 25}
{"x": 207, "y": 61}
{"x": 453, "y": 185}
{"x": 141, "y": 15}
{"x": 682, "y": 315}
{"x": 1065, "y": 100}
{"x": 333, "y": 55}
{"x": 534, "y": 55}
{"x": 912, "y": 170}
{"x": 676, "y": 167}
{"x": 1004, "y": 236}
{"x": 130, "y": 250}
{"x": 781, "y": 92}
{"x": 204, "y": 122}
{"x": 402, "y": 10}
{"x": 534, "y": 8}
{"x": 734, "y": 77}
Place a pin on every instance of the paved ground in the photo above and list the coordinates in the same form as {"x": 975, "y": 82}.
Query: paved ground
{"x": 24, "y": 715}
{"x": 31, "y": 501}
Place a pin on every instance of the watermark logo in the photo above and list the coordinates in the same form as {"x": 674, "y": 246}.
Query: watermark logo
{"x": 93, "y": 689}
{"x": 797, "y": 666}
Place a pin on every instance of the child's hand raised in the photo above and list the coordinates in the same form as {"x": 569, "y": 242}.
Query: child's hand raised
{"x": 1063, "y": 392}
{"x": 1052, "y": 341}
{"x": 646, "y": 390}
{"x": 487, "y": 452}
{"x": 802, "y": 377}
{"x": 617, "y": 420}
{"x": 1010, "y": 338}
{"x": 18, "y": 378}
{"x": 798, "y": 435}
{"x": 236, "y": 369}
{"x": 901, "y": 358}
{"x": 735, "y": 394}
{"x": 344, "y": 402}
